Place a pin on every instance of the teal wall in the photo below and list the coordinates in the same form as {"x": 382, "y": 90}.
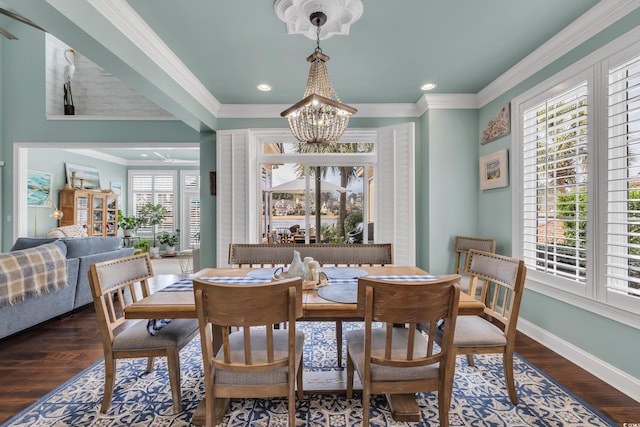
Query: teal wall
{"x": 616, "y": 343}
{"x": 452, "y": 168}
{"x": 208, "y": 216}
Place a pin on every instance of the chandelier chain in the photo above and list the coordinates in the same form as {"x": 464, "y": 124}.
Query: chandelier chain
{"x": 318, "y": 38}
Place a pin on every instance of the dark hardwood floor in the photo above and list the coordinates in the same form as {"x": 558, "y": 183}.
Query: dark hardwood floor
{"x": 36, "y": 361}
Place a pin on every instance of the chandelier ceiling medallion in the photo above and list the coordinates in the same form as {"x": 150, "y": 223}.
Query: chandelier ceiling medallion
{"x": 320, "y": 117}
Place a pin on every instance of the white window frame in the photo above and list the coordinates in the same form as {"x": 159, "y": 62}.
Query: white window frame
{"x": 593, "y": 295}
{"x": 143, "y": 232}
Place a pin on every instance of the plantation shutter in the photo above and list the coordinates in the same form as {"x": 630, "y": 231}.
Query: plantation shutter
{"x": 395, "y": 191}
{"x": 232, "y": 201}
{"x": 153, "y": 187}
{"x": 190, "y": 234}
{"x": 623, "y": 192}
{"x": 555, "y": 184}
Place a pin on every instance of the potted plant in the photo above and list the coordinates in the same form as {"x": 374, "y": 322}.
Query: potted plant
{"x": 141, "y": 246}
{"x": 128, "y": 224}
{"x": 151, "y": 215}
{"x": 170, "y": 240}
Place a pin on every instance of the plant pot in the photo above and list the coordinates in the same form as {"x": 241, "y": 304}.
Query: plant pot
{"x": 154, "y": 252}
{"x": 69, "y": 110}
{"x": 127, "y": 233}
{"x": 170, "y": 250}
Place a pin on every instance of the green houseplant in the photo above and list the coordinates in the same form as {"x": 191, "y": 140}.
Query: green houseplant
{"x": 170, "y": 240}
{"x": 128, "y": 224}
{"x": 151, "y": 215}
{"x": 141, "y": 246}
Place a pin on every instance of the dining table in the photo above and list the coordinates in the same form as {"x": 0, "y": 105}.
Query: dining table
{"x": 180, "y": 303}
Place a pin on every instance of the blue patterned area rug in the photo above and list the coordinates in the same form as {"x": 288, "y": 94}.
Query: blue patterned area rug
{"x": 141, "y": 399}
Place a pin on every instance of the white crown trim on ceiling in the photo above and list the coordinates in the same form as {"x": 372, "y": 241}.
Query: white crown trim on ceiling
{"x": 340, "y": 15}
{"x": 589, "y": 24}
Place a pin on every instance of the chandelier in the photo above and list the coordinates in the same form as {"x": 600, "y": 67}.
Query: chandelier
{"x": 320, "y": 117}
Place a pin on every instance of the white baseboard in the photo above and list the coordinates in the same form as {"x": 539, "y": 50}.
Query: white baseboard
{"x": 613, "y": 376}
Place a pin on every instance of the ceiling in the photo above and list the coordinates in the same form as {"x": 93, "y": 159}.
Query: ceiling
{"x": 202, "y": 59}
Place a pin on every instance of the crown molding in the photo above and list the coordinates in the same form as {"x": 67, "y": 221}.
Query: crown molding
{"x": 447, "y": 101}
{"x": 433, "y": 102}
{"x": 125, "y": 19}
{"x": 596, "y": 19}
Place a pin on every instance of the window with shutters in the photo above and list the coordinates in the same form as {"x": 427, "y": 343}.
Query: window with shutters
{"x": 157, "y": 187}
{"x": 623, "y": 190}
{"x": 554, "y": 156}
{"x": 576, "y": 164}
{"x": 190, "y": 218}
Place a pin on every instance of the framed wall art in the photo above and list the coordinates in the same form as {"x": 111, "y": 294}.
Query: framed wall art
{"x": 494, "y": 170}
{"x": 39, "y": 188}
{"x": 498, "y": 127}
{"x": 85, "y": 176}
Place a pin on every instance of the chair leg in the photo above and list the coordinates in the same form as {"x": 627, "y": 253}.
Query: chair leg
{"x": 339, "y": 341}
{"x": 210, "y": 406}
{"x": 109, "y": 382}
{"x": 291, "y": 404}
{"x": 173, "y": 366}
{"x": 350, "y": 369}
{"x": 366, "y": 399}
{"x": 508, "y": 376}
{"x": 300, "y": 381}
{"x": 470, "y": 361}
{"x": 150, "y": 363}
{"x": 445, "y": 392}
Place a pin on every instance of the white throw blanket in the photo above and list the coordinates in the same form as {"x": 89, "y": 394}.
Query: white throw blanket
{"x": 32, "y": 271}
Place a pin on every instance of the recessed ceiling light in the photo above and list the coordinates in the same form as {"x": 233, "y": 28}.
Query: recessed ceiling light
{"x": 428, "y": 86}
{"x": 264, "y": 87}
{"x": 144, "y": 155}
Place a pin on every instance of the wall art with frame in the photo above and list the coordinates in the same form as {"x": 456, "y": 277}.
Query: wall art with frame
{"x": 494, "y": 170}
{"x": 90, "y": 176}
{"x": 39, "y": 188}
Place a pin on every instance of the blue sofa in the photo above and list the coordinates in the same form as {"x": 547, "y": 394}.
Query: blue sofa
{"x": 81, "y": 252}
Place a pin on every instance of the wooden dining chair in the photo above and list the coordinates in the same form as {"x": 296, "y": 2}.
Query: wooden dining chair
{"x": 461, "y": 246}
{"x": 256, "y": 360}
{"x": 114, "y": 285}
{"x": 399, "y": 360}
{"x": 502, "y": 280}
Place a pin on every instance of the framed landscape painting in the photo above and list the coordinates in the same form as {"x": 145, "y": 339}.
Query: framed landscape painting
{"x": 90, "y": 176}
{"x": 39, "y": 188}
{"x": 494, "y": 170}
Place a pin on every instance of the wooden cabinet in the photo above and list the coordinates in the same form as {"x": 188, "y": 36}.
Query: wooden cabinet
{"x": 97, "y": 211}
